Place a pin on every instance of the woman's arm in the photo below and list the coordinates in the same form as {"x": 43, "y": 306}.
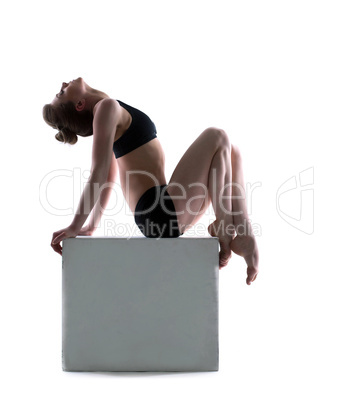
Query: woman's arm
{"x": 105, "y": 121}
{"x": 104, "y": 197}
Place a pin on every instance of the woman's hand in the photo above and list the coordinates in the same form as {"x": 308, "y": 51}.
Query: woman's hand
{"x": 86, "y": 231}
{"x": 60, "y": 235}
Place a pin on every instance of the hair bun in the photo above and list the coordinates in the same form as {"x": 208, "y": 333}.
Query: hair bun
{"x": 66, "y": 136}
{"x": 60, "y": 137}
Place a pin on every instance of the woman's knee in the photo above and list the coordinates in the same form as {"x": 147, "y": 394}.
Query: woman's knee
{"x": 220, "y": 137}
{"x": 235, "y": 152}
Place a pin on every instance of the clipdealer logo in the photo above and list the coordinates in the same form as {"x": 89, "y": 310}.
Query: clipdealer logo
{"x": 300, "y": 189}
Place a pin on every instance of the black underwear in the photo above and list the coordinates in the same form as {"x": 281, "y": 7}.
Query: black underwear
{"x": 155, "y": 214}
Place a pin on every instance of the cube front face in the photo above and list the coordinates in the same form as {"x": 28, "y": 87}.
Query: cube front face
{"x": 140, "y": 304}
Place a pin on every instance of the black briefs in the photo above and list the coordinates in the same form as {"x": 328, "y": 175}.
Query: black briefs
{"x": 155, "y": 214}
{"x": 140, "y": 131}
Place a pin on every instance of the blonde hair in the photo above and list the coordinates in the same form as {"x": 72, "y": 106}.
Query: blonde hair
{"x": 68, "y": 121}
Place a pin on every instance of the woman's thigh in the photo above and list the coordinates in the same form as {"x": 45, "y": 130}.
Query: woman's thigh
{"x": 188, "y": 185}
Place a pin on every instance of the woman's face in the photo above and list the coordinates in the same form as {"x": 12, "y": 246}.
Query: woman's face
{"x": 73, "y": 91}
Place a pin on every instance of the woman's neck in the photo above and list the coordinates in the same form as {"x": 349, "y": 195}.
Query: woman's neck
{"x": 93, "y": 97}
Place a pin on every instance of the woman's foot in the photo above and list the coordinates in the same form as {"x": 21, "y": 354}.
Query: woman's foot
{"x": 224, "y": 241}
{"x": 246, "y": 247}
{"x": 243, "y": 245}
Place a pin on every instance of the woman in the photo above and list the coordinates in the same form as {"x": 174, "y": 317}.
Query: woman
{"x": 124, "y": 140}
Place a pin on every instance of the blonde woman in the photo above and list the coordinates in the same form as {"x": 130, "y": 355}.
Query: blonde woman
{"x": 125, "y": 141}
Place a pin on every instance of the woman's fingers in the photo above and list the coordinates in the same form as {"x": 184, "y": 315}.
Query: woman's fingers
{"x": 251, "y": 276}
{"x": 55, "y": 234}
{"x": 57, "y": 248}
{"x": 60, "y": 235}
{"x": 57, "y": 237}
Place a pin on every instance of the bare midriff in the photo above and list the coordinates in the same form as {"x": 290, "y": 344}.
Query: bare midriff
{"x": 141, "y": 168}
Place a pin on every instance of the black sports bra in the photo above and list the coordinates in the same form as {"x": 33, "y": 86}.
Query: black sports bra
{"x": 140, "y": 131}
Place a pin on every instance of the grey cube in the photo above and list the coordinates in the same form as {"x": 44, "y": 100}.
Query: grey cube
{"x": 140, "y": 304}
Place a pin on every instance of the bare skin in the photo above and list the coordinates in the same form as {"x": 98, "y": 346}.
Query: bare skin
{"x": 148, "y": 160}
{"x": 211, "y": 161}
{"x": 212, "y": 153}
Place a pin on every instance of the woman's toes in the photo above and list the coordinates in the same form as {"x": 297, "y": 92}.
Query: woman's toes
{"x": 212, "y": 230}
{"x": 225, "y": 254}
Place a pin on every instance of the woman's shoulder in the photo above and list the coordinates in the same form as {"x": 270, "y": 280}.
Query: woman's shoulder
{"x": 107, "y": 105}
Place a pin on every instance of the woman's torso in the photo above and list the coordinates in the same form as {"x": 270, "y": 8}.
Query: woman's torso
{"x": 141, "y": 168}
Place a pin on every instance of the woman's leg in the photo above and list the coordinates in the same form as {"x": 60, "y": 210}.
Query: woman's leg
{"x": 196, "y": 164}
{"x": 240, "y": 214}
{"x": 244, "y": 244}
{"x": 204, "y": 171}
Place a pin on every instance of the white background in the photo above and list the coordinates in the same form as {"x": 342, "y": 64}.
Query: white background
{"x": 277, "y": 76}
